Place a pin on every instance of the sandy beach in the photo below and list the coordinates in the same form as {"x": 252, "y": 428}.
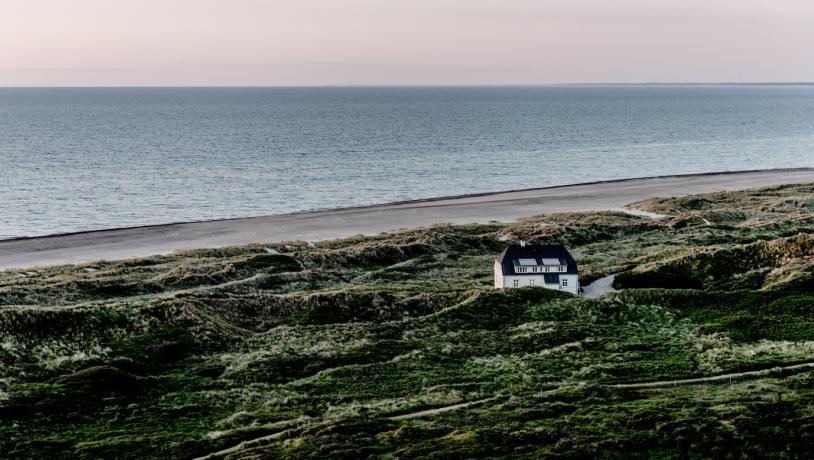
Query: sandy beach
{"x": 338, "y": 223}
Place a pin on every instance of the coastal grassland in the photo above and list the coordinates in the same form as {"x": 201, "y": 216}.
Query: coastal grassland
{"x": 397, "y": 346}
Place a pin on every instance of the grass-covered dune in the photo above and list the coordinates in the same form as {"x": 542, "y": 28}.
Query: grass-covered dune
{"x": 397, "y": 346}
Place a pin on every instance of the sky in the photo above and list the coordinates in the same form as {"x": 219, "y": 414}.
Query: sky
{"x": 402, "y": 42}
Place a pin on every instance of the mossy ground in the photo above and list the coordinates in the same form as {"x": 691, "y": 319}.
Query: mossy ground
{"x": 325, "y": 350}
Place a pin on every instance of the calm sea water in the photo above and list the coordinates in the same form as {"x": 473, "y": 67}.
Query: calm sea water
{"x": 79, "y": 159}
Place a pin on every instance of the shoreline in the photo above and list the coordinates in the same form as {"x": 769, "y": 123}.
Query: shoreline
{"x": 325, "y": 224}
{"x": 406, "y": 202}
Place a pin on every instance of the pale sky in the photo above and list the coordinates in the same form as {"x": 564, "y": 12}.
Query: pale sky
{"x": 381, "y": 42}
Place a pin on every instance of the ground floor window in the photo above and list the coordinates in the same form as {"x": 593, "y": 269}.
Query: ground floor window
{"x": 564, "y": 282}
{"x": 515, "y": 283}
{"x": 531, "y": 282}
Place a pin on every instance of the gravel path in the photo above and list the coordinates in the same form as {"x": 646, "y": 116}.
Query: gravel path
{"x": 599, "y": 287}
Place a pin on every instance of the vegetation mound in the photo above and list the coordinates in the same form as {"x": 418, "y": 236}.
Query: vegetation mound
{"x": 749, "y": 266}
{"x": 397, "y": 345}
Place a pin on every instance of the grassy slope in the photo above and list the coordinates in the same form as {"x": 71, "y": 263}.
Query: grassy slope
{"x": 298, "y": 351}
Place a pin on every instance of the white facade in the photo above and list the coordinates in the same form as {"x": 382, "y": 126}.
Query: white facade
{"x": 499, "y": 281}
{"x": 532, "y": 272}
{"x": 568, "y": 283}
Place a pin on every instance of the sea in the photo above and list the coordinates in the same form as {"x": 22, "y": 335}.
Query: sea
{"x": 76, "y": 159}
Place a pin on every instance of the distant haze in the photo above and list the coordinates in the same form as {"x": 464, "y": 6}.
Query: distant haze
{"x": 412, "y": 42}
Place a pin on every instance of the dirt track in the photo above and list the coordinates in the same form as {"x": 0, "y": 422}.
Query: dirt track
{"x": 715, "y": 378}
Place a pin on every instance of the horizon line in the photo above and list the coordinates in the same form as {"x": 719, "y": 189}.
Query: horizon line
{"x": 438, "y": 85}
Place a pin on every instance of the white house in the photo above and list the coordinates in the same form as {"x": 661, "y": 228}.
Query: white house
{"x": 549, "y": 266}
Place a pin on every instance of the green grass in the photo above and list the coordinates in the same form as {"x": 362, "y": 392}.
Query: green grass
{"x": 184, "y": 355}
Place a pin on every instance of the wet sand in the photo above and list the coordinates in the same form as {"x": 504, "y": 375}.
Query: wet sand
{"x": 338, "y": 223}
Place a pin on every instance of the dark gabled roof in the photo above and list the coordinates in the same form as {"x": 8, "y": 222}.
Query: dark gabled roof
{"x": 536, "y": 251}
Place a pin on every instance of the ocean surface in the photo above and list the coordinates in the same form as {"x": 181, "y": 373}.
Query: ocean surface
{"x": 82, "y": 159}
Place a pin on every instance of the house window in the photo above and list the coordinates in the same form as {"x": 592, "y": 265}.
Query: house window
{"x": 515, "y": 283}
{"x": 564, "y": 282}
{"x": 531, "y": 282}
{"x": 546, "y": 269}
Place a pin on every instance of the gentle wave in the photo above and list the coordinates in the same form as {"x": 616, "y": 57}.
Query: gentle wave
{"x": 83, "y": 159}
